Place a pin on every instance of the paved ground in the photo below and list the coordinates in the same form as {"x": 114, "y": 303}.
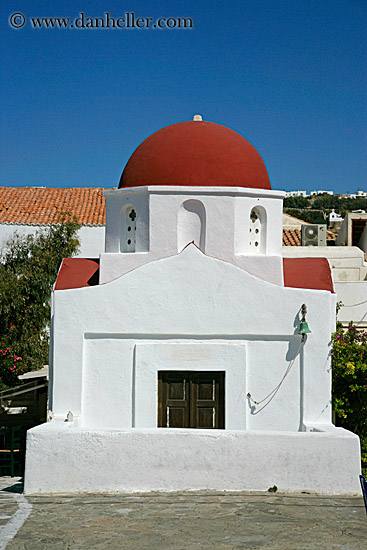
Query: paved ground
{"x": 181, "y": 521}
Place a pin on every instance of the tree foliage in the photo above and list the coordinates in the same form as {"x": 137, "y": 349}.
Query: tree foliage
{"x": 28, "y": 269}
{"x": 349, "y": 364}
{"x": 326, "y": 203}
{"x": 311, "y": 216}
{"x": 11, "y": 367}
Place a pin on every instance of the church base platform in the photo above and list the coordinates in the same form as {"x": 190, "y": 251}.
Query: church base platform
{"x": 62, "y": 458}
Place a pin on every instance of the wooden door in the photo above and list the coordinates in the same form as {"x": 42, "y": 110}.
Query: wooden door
{"x": 173, "y": 400}
{"x": 191, "y": 399}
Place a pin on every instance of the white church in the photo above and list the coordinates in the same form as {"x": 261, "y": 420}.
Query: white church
{"x": 191, "y": 355}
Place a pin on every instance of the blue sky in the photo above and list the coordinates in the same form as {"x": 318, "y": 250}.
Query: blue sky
{"x": 289, "y": 75}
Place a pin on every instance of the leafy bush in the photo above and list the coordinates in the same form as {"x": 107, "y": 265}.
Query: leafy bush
{"x": 28, "y": 270}
{"x": 11, "y": 367}
{"x": 310, "y": 216}
{"x": 349, "y": 363}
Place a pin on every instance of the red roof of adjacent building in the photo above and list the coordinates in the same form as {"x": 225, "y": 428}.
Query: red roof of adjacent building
{"x": 312, "y": 273}
{"x": 196, "y": 153}
{"x": 43, "y": 205}
{"x": 77, "y": 273}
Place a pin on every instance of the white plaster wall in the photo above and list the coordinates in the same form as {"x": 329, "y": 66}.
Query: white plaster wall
{"x": 115, "y": 202}
{"x": 7, "y": 231}
{"x": 227, "y": 219}
{"x": 354, "y": 298}
{"x": 177, "y": 460}
{"x": 269, "y": 361}
{"x": 92, "y": 241}
{"x": 190, "y": 297}
{"x": 107, "y": 382}
{"x": 92, "y": 238}
{"x": 194, "y": 356}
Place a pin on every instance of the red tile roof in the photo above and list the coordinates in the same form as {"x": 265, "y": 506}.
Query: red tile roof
{"x": 291, "y": 237}
{"x": 43, "y": 205}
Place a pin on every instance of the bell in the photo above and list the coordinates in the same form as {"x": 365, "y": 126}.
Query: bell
{"x": 303, "y": 328}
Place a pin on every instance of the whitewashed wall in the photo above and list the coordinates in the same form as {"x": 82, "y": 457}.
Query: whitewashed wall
{"x": 166, "y": 223}
{"x": 353, "y": 295}
{"x": 190, "y": 298}
{"x": 91, "y": 237}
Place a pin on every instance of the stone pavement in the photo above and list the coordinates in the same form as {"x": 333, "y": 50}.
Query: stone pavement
{"x": 185, "y": 521}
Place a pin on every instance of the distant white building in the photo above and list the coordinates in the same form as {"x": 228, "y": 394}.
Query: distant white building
{"x": 334, "y": 217}
{"x": 295, "y": 194}
{"x": 313, "y": 193}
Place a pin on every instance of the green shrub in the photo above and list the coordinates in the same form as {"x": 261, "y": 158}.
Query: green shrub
{"x": 11, "y": 367}
{"x": 349, "y": 364}
{"x": 28, "y": 269}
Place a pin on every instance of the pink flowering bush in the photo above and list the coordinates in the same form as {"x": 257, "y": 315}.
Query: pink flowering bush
{"x": 11, "y": 367}
{"x": 349, "y": 363}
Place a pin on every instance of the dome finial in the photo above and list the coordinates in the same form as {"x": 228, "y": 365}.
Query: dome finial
{"x": 197, "y": 117}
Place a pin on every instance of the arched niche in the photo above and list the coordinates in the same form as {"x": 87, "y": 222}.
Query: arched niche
{"x": 127, "y": 229}
{"x": 191, "y": 225}
{"x": 257, "y": 230}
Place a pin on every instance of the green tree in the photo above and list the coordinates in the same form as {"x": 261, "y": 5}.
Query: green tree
{"x": 349, "y": 364}
{"x": 311, "y": 216}
{"x": 28, "y": 270}
{"x": 296, "y": 202}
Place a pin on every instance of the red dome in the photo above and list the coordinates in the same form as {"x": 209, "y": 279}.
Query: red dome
{"x": 196, "y": 153}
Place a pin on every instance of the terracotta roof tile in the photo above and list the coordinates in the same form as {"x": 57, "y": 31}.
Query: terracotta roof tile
{"x": 291, "y": 237}
{"x": 43, "y": 205}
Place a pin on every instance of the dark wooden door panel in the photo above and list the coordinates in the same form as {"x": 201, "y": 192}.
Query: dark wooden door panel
{"x": 207, "y": 400}
{"x": 191, "y": 399}
{"x": 206, "y": 390}
{"x": 205, "y": 417}
{"x": 173, "y": 400}
{"x": 176, "y": 418}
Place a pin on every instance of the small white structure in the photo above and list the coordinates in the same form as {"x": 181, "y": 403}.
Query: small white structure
{"x": 295, "y": 194}
{"x": 185, "y": 367}
{"x": 334, "y": 217}
{"x": 319, "y": 192}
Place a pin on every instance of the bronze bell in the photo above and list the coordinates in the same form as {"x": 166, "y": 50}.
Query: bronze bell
{"x": 303, "y": 326}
